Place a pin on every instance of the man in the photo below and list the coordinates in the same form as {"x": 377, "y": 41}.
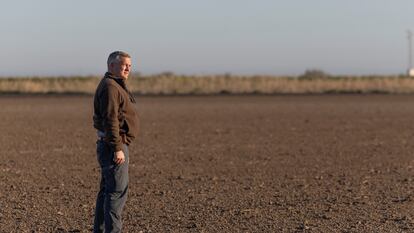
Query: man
{"x": 116, "y": 122}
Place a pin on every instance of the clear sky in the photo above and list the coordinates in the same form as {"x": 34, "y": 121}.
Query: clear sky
{"x": 50, "y": 37}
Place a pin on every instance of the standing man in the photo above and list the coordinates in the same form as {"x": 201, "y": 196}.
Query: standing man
{"x": 116, "y": 122}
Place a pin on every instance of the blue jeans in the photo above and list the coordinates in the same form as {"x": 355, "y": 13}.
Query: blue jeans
{"x": 113, "y": 189}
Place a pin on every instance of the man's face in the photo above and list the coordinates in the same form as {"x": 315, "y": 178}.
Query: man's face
{"x": 122, "y": 68}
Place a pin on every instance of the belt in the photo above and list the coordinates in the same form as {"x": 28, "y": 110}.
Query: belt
{"x": 123, "y": 138}
{"x": 100, "y": 133}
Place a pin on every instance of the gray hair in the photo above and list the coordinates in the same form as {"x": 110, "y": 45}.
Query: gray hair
{"x": 116, "y": 56}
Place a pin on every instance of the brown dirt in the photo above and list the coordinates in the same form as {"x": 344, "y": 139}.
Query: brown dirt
{"x": 216, "y": 164}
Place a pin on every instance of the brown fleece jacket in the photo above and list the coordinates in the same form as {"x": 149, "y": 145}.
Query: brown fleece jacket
{"x": 114, "y": 112}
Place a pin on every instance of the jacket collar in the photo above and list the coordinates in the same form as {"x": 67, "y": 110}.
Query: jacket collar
{"x": 121, "y": 83}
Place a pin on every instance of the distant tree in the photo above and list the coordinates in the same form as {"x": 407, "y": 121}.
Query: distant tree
{"x": 314, "y": 74}
{"x": 167, "y": 74}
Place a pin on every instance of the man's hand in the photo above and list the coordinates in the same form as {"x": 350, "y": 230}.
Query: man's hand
{"x": 119, "y": 157}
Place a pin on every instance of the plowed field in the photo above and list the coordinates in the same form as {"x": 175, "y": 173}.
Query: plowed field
{"x": 332, "y": 163}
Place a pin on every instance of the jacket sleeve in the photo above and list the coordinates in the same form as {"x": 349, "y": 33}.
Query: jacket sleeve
{"x": 111, "y": 100}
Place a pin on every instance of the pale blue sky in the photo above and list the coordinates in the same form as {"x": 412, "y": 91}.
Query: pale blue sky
{"x": 49, "y": 37}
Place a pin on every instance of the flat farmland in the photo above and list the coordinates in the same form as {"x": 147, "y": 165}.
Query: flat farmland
{"x": 321, "y": 163}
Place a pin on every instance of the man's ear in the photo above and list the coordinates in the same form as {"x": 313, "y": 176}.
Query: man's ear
{"x": 111, "y": 66}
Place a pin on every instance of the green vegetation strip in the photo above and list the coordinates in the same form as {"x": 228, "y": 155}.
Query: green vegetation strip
{"x": 170, "y": 84}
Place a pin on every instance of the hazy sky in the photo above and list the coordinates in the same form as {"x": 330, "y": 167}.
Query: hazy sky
{"x": 49, "y": 37}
